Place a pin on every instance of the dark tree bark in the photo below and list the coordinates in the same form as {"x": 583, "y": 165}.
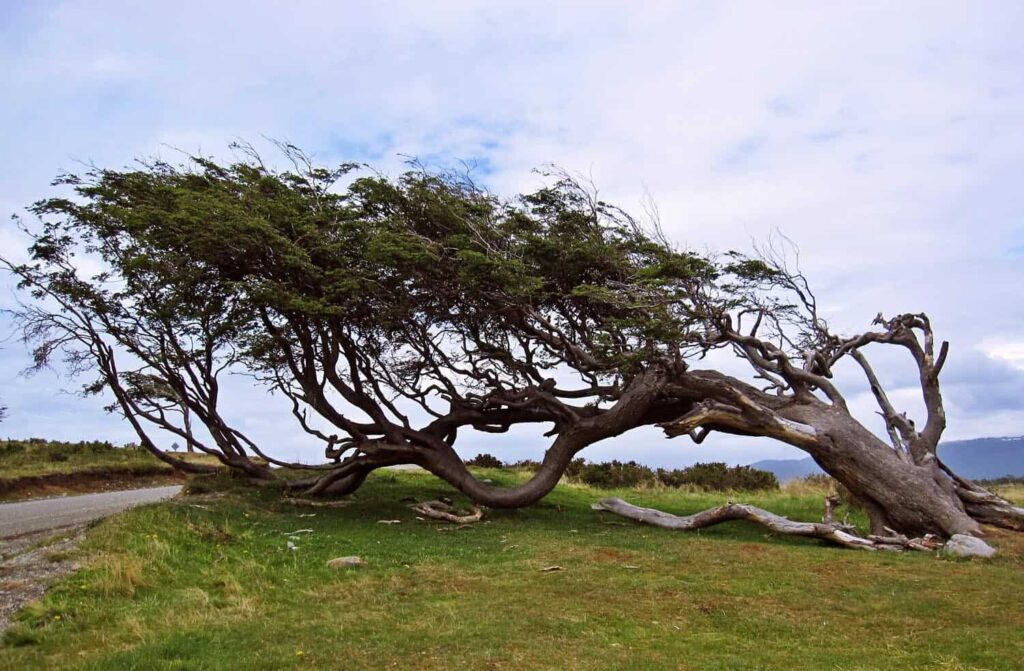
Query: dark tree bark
{"x": 903, "y": 486}
{"x": 895, "y": 492}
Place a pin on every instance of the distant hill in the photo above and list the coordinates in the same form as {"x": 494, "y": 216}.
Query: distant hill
{"x": 788, "y": 469}
{"x": 978, "y": 459}
{"x": 984, "y": 458}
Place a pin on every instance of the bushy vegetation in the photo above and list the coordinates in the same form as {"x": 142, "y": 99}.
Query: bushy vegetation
{"x": 38, "y": 456}
{"x": 525, "y": 465}
{"x": 1005, "y": 480}
{"x": 718, "y": 476}
{"x": 614, "y": 474}
{"x": 485, "y": 460}
{"x": 715, "y": 476}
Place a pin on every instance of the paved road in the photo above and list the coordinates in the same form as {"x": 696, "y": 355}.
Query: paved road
{"x": 43, "y": 514}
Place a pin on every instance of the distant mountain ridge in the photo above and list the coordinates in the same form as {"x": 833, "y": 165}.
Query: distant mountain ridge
{"x": 977, "y": 459}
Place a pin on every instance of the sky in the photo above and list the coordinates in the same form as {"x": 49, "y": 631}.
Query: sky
{"x": 885, "y": 139}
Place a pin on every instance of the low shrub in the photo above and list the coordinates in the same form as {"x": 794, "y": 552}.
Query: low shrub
{"x": 616, "y": 474}
{"x": 485, "y": 460}
{"x": 714, "y": 476}
{"x": 19, "y": 452}
{"x": 1005, "y": 480}
{"x": 718, "y": 476}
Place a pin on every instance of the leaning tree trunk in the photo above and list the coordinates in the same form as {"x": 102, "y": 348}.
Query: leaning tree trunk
{"x": 906, "y": 491}
{"x": 983, "y": 505}
{"x": 896, "y": 493}
{"x": 912, "y": 493}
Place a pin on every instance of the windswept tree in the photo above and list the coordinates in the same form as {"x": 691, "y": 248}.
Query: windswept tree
{"x": 396, "y": 314}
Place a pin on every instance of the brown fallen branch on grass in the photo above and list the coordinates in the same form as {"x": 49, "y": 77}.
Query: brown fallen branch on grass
{"x": 315, "y": 504}
{"x": 439, "y": 510}
{"x": 838, "y": 534}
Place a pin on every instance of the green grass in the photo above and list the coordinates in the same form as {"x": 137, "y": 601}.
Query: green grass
{"x": 210, "y": 584}
{"x": 37, "y": 467}
{"x": 35, "y": 457}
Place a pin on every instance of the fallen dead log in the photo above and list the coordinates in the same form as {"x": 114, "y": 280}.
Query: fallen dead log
{"x": 439, "y": 510}
{"x": 831, "y": 532}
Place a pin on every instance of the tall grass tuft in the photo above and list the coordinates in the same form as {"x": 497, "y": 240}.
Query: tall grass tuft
{"x": 118, "y": 574}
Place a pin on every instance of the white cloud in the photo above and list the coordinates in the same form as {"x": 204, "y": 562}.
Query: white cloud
{"x": 1005, "y": 351}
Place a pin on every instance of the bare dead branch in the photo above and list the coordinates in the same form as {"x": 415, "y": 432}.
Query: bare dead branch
{"x": 438, "y": 510}
{"x": 831, "y": 533}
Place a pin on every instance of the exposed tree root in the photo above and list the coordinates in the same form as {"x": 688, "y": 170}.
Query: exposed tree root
{"x": 439, "y": 510}
{"x": 989, "y": 508}
{"x": 985, "y": 506}
{"x": 837, "y": 534}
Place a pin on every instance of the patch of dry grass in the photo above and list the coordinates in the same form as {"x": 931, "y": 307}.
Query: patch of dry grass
{"x": 117, "y": 574}
{"x": 1011, "y": 492}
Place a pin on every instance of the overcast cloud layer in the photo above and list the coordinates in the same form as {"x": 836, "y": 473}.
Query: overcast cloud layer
{"x": 887, "y": 142}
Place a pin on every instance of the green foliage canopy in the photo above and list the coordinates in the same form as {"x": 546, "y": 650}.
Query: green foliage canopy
{"x": 395, "y": 311}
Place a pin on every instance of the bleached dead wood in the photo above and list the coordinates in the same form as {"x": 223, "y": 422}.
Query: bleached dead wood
{"x": 439, "y": 510}
{"x": 831, "y": 533}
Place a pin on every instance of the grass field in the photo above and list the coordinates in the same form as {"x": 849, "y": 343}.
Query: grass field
{"x": 209, "y": 583}
{"x": 36, "y": 467}
{"x": 35, "y": 457}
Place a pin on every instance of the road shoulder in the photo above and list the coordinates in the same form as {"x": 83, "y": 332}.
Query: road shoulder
{"x": 30, "y": 563}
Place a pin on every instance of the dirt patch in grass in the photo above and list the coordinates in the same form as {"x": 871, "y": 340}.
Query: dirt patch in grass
{"x": 29, "y": 563}
{"x": 758, "y": 551}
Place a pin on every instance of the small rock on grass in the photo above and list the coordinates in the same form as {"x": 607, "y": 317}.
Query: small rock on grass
{"x": 345, "y": 562}
{"x": 962, "y": 545}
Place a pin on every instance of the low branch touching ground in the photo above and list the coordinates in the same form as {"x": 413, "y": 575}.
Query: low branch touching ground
{"x": 439, "y": 510}
{"x": 832, "y": 533}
